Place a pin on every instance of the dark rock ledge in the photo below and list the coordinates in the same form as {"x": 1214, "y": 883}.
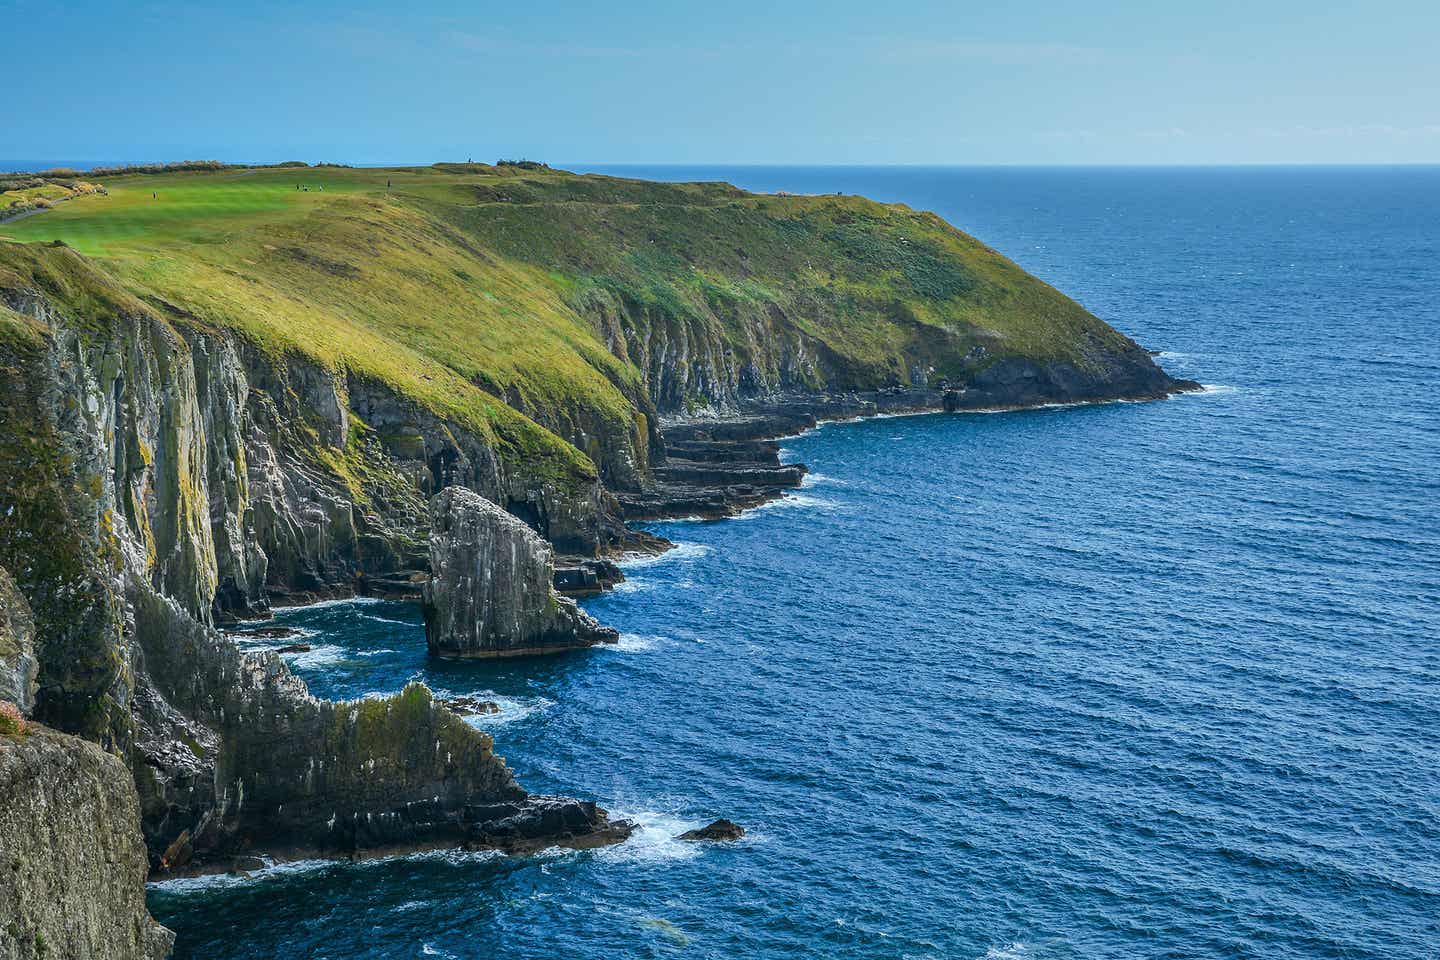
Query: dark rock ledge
{"x": 716, "y": 467}
{"x": 719, "y": 830}
{"x": 515, "y": 827}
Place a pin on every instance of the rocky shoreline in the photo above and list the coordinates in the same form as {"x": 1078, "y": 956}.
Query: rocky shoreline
{"x": 719, "y": 465}
{"x": 164, "y": 476}
{"x": 514, "y": 829}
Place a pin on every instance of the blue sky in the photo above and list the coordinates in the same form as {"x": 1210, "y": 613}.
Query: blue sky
{"x": 727, "y": 82}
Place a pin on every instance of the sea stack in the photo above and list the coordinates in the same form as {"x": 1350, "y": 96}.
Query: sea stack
{"x": 491, "y": 590}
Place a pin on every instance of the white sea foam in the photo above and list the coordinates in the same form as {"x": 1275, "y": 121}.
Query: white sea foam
{"x": 813, "y": 479}
{"x": 253, "y": 642}
{"x": 681, "y": 551}
{"x": 324, "y": 655}
{"x": 377, "y": 619}
{"x": 654, "y": 837}
{"x": 221, "y": 881}
{"x": 511, "y": 708}
{"x": 791, "y": 501}
{"x": 633, "y": 643}
{"x": 322, "y": 604}
{"x": 430, "y": 950}
{"x": 1210, "y": 389}
{"x": 1009, "y": 951}
{"x": 900, "y": 415}
{"x": 274, "y": 871}
{"x": 633, "y": 586}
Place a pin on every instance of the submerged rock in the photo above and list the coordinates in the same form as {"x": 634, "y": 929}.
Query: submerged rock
{"x": 471, "y": 706}
{"x": 721, "y": 829}
{"x": 491, "y": 590}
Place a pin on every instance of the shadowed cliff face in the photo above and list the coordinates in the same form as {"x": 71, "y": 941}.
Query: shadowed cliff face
{"x": 18, "y": 666}
{"x": 154, "y": 474}
{"x": 74, "y": 863}
{"x": 491, "y": 590}
{"x": 192, "y": 431}
{"x": 700, "y": 363}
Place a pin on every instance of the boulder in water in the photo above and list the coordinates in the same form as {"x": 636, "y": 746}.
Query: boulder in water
{"x": 721, "y": 829}
{"x": 471, "y": 706}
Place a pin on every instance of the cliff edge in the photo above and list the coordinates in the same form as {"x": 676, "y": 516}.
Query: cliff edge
{"x": 446, "y": 372}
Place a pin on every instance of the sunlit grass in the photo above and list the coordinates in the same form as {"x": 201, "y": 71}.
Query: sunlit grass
{"x": 478, "y": 291}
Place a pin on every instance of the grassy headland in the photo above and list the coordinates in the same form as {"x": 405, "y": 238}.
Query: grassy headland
{"x": 506, "y": 297}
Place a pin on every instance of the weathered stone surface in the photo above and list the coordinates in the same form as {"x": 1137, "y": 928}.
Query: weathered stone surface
{"x": 142, "y": 505}
{"x": 469, "y": 705}
{"x": 539, "y": 821}
{"x": 718, "y": 466}
{"x": 72, "y": 861}
{"x": 491, "y": 589}
{"x": 18, "y": 666}
{"x": 708, "y": 366}
{"x": 235, "y": 752}
{"x": 587, "y": 576}
{"x": 721, "y": 829}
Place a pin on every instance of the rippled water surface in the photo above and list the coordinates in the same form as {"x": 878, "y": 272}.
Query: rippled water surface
{"x": 1134, "y": 680}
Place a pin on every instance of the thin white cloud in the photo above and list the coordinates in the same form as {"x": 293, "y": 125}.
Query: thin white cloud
{"x": 496, "y": 43}
{"x": 1424, "y": 131}
{"x": 996, "y": 52}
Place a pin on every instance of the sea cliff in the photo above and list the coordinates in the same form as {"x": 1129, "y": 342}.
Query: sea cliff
{"x": 223, "y": 389}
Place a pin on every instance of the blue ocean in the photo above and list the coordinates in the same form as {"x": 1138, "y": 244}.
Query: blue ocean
{"x": 1116, "y": 681}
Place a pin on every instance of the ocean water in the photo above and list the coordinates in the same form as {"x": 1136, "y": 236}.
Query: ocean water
{"x": 1131, "y": 680}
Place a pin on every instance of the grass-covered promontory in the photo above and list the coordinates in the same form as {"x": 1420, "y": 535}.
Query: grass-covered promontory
{"x": 534, "y": 304}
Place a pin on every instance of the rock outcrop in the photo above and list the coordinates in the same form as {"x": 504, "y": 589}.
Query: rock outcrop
{"x": 155, "y": 475}
{"x": 491, "y": 590}
{"x": 18, "y": 666}
{"x": 72, "y": 861}
{"x": 181, "y": 448}
{"x": 719, "y": 830}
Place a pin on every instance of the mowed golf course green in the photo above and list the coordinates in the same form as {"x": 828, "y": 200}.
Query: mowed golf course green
{"x": 505, "y": 295}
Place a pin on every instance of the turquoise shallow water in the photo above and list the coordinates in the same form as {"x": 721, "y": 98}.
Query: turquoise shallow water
{"x": 1134, "y": 680}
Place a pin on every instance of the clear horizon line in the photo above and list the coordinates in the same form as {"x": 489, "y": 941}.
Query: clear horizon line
{"x": 19, "y": 165}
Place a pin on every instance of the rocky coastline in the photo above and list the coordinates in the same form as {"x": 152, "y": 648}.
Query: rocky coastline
{"x": 723, "y": 463}
{"x": 166, "y": 473}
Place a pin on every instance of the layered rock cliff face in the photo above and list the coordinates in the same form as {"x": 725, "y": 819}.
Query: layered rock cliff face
{"x": 491, "y": 589}
{"x": 452, "y": 382}
{"x": 724, "y": 299}
{"x": 72, "y": 863}
{"x": 695, "y": 360}
{"x": 18, "y": 666}
{"x": 154, "y": 475}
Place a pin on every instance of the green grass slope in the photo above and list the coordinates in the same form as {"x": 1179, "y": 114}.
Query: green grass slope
{"x": 477, "y": 291}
